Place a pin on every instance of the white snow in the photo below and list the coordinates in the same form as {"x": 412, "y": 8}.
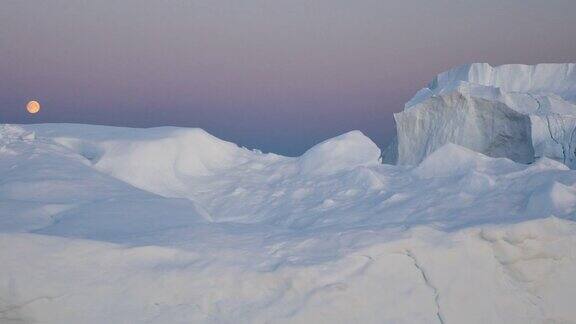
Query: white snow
{"x": 171, "y": 225}
{"x": 488, "y": 109}
{"x": 338, "y": 154}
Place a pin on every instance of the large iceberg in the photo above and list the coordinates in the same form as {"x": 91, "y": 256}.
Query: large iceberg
{"x": 520, "y": 112}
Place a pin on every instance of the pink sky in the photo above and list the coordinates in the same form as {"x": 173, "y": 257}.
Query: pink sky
{"x": 275, "y": 75}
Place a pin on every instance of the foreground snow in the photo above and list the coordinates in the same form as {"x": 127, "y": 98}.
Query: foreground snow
{"x": 171, "y": 225}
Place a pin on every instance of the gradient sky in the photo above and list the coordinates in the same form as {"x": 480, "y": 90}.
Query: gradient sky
{"x": 278, "y": 75}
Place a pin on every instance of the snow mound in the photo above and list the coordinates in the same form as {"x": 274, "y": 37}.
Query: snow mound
{"x": 452, "y": 159}
{"x": 516, "y": 111}
{"x": 341, "y": 153}
{"x": 49, "y": 188}
{"x": 552, "y": 199}
{"x": 159, "y": 160}
{"x": 161, "y": 164}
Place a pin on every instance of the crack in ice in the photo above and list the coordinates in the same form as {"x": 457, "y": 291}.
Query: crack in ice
{"x": 428, "y": 283}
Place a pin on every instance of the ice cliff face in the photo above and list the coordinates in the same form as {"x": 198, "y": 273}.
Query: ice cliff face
{"x": 516, "y": 111}
{"x": 484, "y": 126}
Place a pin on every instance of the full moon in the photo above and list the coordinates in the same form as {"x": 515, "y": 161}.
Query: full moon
{"x": 33, "y": 107}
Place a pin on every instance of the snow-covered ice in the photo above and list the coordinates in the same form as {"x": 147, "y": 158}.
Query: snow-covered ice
{"x": 172, "y": 225}
{"x": 521, "y": 112}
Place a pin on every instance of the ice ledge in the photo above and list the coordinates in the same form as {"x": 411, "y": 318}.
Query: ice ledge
{"x": 546, "y": 78}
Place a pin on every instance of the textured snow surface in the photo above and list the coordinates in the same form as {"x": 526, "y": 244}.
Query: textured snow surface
{"x": 504, "y": 111}
{"x": 171, "y": 225}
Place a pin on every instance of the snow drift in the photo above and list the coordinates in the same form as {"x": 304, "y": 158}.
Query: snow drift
{"x": 172, "y": 225}
{"x": 516, "y": 111}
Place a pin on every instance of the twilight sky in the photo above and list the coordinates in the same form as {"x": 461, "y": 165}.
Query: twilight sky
{"x": 278, "y": 75}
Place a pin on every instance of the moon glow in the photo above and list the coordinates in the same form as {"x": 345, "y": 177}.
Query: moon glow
{"x": 33, "y": 107}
